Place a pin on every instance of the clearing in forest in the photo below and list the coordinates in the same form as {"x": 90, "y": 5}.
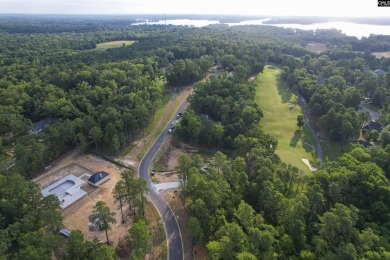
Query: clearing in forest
{"x": 316, "y": 47}
{"x": 113, "y": 44}
{"x": 381, "y": 54}
{"x": 281, "y": 108}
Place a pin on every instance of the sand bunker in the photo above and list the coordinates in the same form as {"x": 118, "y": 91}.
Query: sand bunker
{"x": 306, "y": 161}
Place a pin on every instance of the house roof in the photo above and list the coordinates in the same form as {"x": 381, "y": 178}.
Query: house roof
{"x": 38, "y": 126}
{"x": 379, "y": 71}
{"x": 98, "y": 176}
{"x": 364, "y": 143}
{"x": 373, "y": 126}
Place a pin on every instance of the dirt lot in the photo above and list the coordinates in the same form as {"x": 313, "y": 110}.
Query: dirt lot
{"x": 384, "y": 54}
{"x": 76, "y": 216}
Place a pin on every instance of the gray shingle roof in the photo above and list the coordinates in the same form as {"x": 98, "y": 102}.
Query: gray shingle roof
{"x": 98, "y": 176}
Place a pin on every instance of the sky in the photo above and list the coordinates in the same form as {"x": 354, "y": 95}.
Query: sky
{"x": 338, "y": 8}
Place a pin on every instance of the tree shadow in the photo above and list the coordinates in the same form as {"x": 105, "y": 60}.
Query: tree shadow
{"x": 283, "y": 92}
{"x": 297, "y": 136}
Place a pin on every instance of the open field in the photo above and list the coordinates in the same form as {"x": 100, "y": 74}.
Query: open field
{"x": 316, "y": 47}
{"x": 281, "y": 108}
{"x": 113, "y": 44}
{"x": 332, "y": 151}
{"x": 384, "y": 54}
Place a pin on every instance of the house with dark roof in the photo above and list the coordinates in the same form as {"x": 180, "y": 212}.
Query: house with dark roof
{"x": 372, "y": 126}
{"x": 98, "y": 178}
{"x": 379, "y": 72}
{"x": 38, "y": 126}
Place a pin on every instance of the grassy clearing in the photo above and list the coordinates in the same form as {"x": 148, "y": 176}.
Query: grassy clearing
{"x": 161, "y": 123}
{"x": 158, "y": 115}
{"x": 113, "y": 44}
{"x": 128, "y": 149}
{"x": 332, "y": 151}
{"x": 316, "y": 47}
{"x": 281, "y": 122}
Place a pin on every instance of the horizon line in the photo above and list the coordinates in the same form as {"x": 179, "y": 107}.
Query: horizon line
{"x": 198, "y": 14}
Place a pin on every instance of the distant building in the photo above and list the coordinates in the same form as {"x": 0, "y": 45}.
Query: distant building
{"x": 379, "y": 72}
{"x": 38, "y": 126}
{"x": 98, "y": 178}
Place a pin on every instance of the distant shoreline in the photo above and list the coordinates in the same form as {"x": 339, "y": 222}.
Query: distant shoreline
{"x": 222, "y": 18}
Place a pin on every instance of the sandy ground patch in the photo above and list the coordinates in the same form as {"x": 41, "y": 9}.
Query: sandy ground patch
{"x": 306, "y": 161}
{"x": 76, "y": 216}
{"x": 173, "y": 158}
{"x": 163, "y": 177}
{"x": 382, "y": 54}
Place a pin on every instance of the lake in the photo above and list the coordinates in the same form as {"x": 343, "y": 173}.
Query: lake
{"x": 196, "y": 23}
{"x": 350, "y": 29}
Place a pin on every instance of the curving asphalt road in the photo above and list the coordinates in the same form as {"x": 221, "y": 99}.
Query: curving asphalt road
{"x": 374, "y": 115}
{"x": 172, "y": 230}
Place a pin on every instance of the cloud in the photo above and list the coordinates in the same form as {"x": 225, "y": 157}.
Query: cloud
{"x": 263, "y": 7}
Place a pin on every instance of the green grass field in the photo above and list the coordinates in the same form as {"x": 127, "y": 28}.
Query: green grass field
{"x": 113, "y": 44}
{"x": 332, "y": 151}
{"x": 281, "y": 109}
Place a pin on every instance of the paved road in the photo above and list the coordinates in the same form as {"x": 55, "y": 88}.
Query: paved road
{"x": 374, "y": 115}
{"x": 320, "y": 153}
{"x": 172, "y": 231}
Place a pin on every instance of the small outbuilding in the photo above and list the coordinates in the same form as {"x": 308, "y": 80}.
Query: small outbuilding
{"x": 38, "y": 126}
{"x": 98, "y": 178}
{"x": 65, "y": 232}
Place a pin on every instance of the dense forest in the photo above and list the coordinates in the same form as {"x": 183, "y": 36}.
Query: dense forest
{"x": 249, "y": 205}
